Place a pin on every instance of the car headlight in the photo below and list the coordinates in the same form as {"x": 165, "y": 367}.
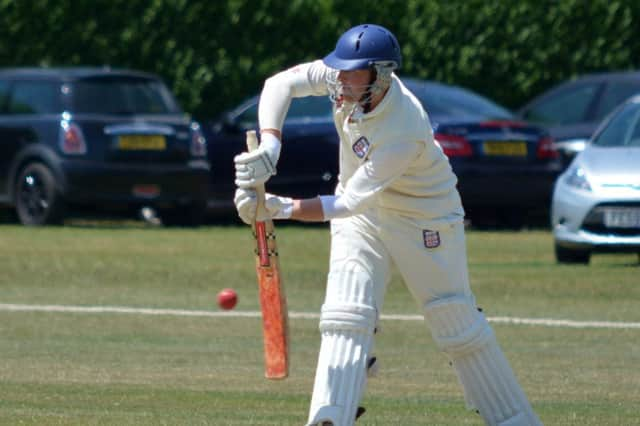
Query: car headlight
{"x": 576, "y": 177}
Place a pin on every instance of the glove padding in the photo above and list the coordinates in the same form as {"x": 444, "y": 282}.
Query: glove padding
{"x": 253, "y": 168}
{"x": 256, "y": 167}
{"x": 276, "y": 207}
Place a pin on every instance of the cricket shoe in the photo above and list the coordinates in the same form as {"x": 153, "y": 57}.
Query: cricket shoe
{"x": 359, "y": 413}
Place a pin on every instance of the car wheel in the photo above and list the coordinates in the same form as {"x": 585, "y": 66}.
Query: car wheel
{"x": 567, "y": 255}
{"x": 191, "y": 215}
{"x": 38, "y": 201}
{"x": 8, "y": 216}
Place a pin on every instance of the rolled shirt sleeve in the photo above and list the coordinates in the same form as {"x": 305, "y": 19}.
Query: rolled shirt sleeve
{"x": 308, "y": 79}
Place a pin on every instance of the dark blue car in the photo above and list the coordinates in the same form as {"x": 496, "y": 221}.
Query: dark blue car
{"x": 97, "y": 140}
{"x": 506, "y": 168}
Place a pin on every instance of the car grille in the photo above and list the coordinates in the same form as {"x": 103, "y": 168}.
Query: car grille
{"x": 596, "y": 222}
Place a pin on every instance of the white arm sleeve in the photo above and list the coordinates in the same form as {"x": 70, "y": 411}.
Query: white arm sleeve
{"x": 333, "y": 207}
{"x": 307, "y": 79}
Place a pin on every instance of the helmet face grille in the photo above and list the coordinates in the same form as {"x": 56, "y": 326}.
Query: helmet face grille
{"x": 383, "y": 72}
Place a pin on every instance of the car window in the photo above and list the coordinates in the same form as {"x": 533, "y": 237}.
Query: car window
{"x": 622, "y": 130}
{"x": 614, "y": 94}
{"x": 568, "y": 106}
{"x": 122, "y": 95}
{"x": 307, "y": 108}
{"x": 35, "y": 97}
{"x": 4, "y": 96}
{"x": 453, "y": 101}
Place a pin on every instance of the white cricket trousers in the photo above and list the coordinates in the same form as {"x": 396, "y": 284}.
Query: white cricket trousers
{"x": 431, "y": 258}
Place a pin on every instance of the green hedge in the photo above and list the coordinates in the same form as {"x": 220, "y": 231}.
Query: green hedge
{"x": 215, "y": 53}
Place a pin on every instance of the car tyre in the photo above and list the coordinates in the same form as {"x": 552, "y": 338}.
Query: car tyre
{"x": 38, "y": 200}
{"x": 575, "y": 256}
{"x": 189, "y": 216}
{"x": 8, "y": 216}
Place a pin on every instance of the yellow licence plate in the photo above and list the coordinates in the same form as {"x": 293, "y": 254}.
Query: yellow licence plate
{"x": 142, "y": 142}
{"x": 507, "y": 148}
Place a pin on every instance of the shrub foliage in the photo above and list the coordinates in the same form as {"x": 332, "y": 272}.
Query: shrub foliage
{"x": 215, "y": 53}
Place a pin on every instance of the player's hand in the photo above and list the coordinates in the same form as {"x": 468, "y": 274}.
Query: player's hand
{"x": 246, "y": 201}
{"x": 256, "y": 167}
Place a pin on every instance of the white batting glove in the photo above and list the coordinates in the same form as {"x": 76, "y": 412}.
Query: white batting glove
{"x": 256, "y": 167}
{"x": 276, "y": 207}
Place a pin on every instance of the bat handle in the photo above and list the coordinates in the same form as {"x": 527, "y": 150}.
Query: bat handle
{"x": 252, "y": 140}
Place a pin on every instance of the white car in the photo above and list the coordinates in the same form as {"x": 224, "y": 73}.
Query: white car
{"x": 596, "y": 201}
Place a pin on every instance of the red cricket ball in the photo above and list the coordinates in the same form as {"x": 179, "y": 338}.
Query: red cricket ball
{"x": 227, "y": 298}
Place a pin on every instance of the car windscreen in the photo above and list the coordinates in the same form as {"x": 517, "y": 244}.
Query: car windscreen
{"x": 310, "y": 106}
{"x": 454, "y": 102}
{"x": 122, "y": 95}
{"x": 623, "y": 129}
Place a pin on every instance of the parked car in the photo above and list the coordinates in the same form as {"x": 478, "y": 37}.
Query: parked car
{"x": 99, "y": 139}
{"x": 573, "y": 110}
{"x": 505, "y": 167}
{"x": 596, "y": 201}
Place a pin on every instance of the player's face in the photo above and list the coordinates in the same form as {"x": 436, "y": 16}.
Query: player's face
{"x": 354, "y": 84}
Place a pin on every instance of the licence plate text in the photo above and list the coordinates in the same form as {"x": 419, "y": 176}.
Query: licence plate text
{"x": 506, "y": 148}
{"x": 142, "y": 142}
{"x": 622, "y": 217}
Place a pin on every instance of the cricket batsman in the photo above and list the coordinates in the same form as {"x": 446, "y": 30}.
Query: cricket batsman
{"x": 396, "y": 203}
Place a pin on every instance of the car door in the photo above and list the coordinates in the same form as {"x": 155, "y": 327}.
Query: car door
{"x": 30, "y": 108}
{"x": 308, "y": 162}
{"x": 5, "y": 141}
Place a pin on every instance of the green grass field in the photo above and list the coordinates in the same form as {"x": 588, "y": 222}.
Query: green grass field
{"x": 79, "y": 368}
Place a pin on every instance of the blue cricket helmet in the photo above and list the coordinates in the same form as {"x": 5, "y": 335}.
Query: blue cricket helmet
{"x": 363, "y": 46}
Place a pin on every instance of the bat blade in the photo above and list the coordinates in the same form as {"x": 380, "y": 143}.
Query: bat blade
{"x": 273, "y": 303}
{"x": 275, "y": 328}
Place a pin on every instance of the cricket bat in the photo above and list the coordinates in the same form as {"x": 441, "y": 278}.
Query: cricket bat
{"x": 275, "y": 328}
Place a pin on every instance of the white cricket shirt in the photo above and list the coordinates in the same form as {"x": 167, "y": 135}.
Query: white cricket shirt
{"x": 388, "y": 157}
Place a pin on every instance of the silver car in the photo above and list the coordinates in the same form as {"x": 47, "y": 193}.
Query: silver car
{"x": 596, "y": 201}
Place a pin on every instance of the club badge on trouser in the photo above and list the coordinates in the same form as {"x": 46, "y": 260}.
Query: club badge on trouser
{"x": 431, "y": 238}
{"x": 270, "y": 288}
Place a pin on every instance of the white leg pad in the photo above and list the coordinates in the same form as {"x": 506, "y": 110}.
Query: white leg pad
{"x": 489, "y": 384}
{"x": 347, "y": 335}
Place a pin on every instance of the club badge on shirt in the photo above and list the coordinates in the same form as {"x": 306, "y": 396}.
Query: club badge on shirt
{"x": 361, "y": 147}
{"x": 431, "y": 238}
